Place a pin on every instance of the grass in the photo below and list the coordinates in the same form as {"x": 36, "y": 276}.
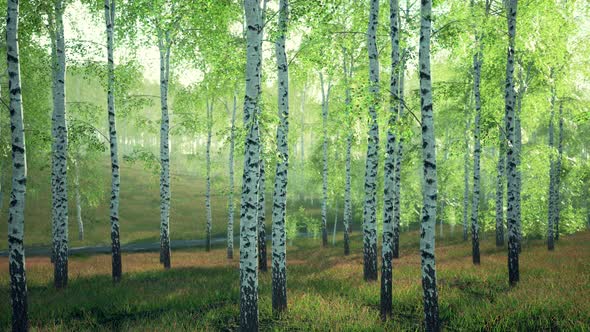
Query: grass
{"x": 325, "y": 290}
{"x": 139, "y": 209}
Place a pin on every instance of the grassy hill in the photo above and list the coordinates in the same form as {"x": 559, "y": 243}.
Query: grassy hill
{"x": 325, "y": 290}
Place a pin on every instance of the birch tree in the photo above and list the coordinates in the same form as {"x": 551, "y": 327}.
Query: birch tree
{"x": 248, "y": 213}
{"x": 59, "y": 132}
{"x": 389, "y": 167}
{"x": 164, "y": 46}
{"x": 209, "y": 106}
{"x": 500, "y": 185}
{"x": 429, "y": 190}
{"x": 348, "y": 71}
{"x": 466, "y": 174}
{"x": 370, "y": 206}
{"x": 513, "y": 271}
{"x": 325, "y": 100}
{"x": 109, "y": 11}
{"x": 261, "y": 214}
{"x": 279, "y": 247}
{"x": 16, "y": 211}
{"x": 230, "y": 221}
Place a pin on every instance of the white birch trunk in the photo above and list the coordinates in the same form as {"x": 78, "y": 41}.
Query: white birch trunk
{"x": 477, "y": 61}
{"x": 208, "y": 189}
{"x": 370, "y": 206}
{"x": 59, "y": 155}
{"x": 230, "y": 222}
{"x": 279, "y": 247}
{"x": 510, "y": 98}
{"x": 261, "y": 214}
{"x": 164, "y": 47}
{"x": 389, "y": 167}
{"x": 557, "y": 171}
{"x": 249, "y": 200}
{"x": 109, "y": 9}
{"x": 325, "y": 100}
{"x": 466, "y": 174}
{"x": 16, "y": 210}
{"x": 551, "y": 208}
{"x": 348, "y": 70}
{"x": 78, "y": 199}
{"x": 335, "y": 222}
{"x": 429, "y": 181}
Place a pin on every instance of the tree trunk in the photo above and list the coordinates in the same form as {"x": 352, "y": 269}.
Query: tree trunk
{"x": 248, "y": 213}
{"x": 347, "y": 201}
{"x": 511, "y": 152}
{"x": 16, "y": 208}
{"x": 115, "y": 178}
{"x": 389, "y": 168}
{"x": 279, "y": 247}
{"x": 500, "y": 190}
{"x": 466, "y": 180}
{"x": 398, "y": 164}
{"x": 370, "y": 208}
{"x": 59, "y": 156}
{"x": 208, "y": 189}
{"x": 78, "y": 198}
{"x": 429, "y": 191}
{"x": 230, "y": 222}
{"x": 558, "y": 171}
{"x": 164, "y": 46}
{"x": 476, "y": 157}
{"x": 551, "y": 208}
{"x": 261, "y": 215}
{"x": 335, "y": 221}
{"x": 325, "y": 99}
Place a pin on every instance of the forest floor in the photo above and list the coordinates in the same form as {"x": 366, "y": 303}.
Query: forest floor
{"x": 326, "y": 291}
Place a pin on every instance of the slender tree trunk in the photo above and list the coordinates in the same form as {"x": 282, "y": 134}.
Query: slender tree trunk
{"x": 279, "y": 246}
{"x": 230, "y": 222}
{"x": 466, "y": 179}
{"x": 335, "y": 221}
{"x": 476, "y": 157}
{"x": 347, "y": 200}
{"x": 398, "y": 165}
{"x": 513, "y": 272}
{"x": 59, "y": 156}
{"x": 115, "y": 177}
{"x": 164, "y": 46}
{"x": 370, "y": 208}
{"x": 518, "y": 146}
{"x": 429, "y": 183}
{"x": 551, "y": 209}
{"x": 500, "y": 190}
{"x": 208, "y": 189}
{"x": 248, "y": 213}
{"x": 16, "y": 208}
{"x": 557, "y": 171}
{"x": 262, "y": 264}
{"x": 325, "y": 100}
{"x": 389, "y": 168}
{"x": 78, "y": 198}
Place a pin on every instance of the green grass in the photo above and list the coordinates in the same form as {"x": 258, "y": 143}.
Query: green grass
{"x": 139, "y": 208}
{"x": 325, "y": 290}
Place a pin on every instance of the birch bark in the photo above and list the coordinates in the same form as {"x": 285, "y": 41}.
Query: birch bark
{"x": 59, "y": 155}
{"x": 325, "y": 100}
{"x": 164, "y": 47}
{"x": 208, "y": 189}
{"x": 389, "y": 168}
{"x": 429, "y": 181}
{"x": 510, "y": 98}
{"x": 230, "y": 222}
{"x": 279, "y": 246}
{"x": 249, "y": 199}
{"x": 370, "y": 207}
{"x": 115, "y": 177}
{"x": 16, "y": 209}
